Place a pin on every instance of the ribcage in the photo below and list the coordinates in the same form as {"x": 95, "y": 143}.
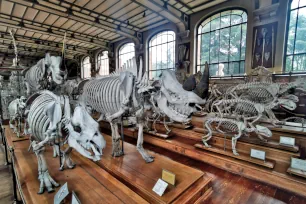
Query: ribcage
{"x": 33, "y": 76}
{"x": 38, "y": 121}
{"x": 103, "y": 94}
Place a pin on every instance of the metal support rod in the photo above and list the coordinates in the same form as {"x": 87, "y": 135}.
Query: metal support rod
{"x": 122, "y": 135}
{"x": 14, "y": 179}
{"x": 5, "y": 149}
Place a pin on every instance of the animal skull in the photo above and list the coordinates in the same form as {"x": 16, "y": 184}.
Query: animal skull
{"x": 89, "y": 142}
{"x": 263, "y": 131}
{"x": 54, "y": 68}
{"x": 287, "y": 103}
{"x": 177, "y": 103}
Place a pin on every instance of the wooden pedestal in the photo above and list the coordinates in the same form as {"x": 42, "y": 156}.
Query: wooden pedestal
{"x": 140, "y": 176}
{"x": 297, "y": 172}
{"x": 90, "y": 183}
{"x": 242, "y": 156}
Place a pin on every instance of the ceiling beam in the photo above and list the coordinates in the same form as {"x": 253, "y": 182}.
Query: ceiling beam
{"x": 79, "y": 17}
{"x": 171, "y": 11}
{"x": 44, "y": 43}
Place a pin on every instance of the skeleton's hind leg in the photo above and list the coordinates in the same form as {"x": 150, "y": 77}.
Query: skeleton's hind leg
{"x": 234, "y": 142}
{"x": 66, "y": 159}
{"x": 12, "y": 125}
{"x": 207, "y": 137}
{"x": 117, "y": 149}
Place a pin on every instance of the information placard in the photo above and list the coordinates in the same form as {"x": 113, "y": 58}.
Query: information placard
{"x": 298, "y": 164}
{"x": 75, "y": 199}
{"x": 61, "y": 194}
{"x": 168, "y": 176}
{"x": 258, "y": 154}
{"x": 160, "y": 187}
{"x": 289, "y": 141}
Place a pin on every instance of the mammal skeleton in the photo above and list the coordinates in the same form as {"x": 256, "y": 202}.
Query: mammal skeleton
{"x": 16, "y": 108}
{"x": 50, "y": 114}
{"x": 233, "y": 126}
{"x": 130, "y": 93}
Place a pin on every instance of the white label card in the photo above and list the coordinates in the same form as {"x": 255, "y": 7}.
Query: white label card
{"x": 75, "y": 199}
{"x": 258, "y": 154}
{"x": 298, "y": 164}
{"x": 160, "y": 187}
{"x": 287, "y": 140}
{"x": 61, "y": 194}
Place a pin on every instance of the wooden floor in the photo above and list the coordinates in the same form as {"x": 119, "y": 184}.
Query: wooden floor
{"x": 232, "y": 188}
{"x": 6, "y": 183}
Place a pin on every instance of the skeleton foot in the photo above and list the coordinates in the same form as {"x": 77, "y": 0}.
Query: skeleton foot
{"x": 147, "y": 157}
{"x": 46, "y": 181}
{"x": 117, "y": 150}
{"x": 206, "y": 144}
{"x": 235, "y": 152}
{"x": 18, "y": 134}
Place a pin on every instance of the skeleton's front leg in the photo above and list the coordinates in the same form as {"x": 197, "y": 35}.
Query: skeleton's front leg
{"x": 117, "y": 149}
{"x": 66, "y": 159}
{"x": 147, "y": 157}
{"x": 46, "y": 181}
{"x": 234, "y": 142}
{"x": 56, "y": 150}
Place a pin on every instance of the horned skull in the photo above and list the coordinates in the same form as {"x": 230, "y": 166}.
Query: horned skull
{"x": 177, "y": 103}
{"x": 88, "y": 141}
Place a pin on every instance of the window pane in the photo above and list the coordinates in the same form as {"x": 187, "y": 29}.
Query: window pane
{"x": 224, "y": 44}
{"x": 294, "y": 4}
{"x": 299, "y": 62}
{"x": 300, "y": 42}
{"x": 243, "y": 41}
{"x": 225, "y": 21}
{"x": 206, "y": 28}
{"x": 213, "y": 70}
{"x": 215, "y": 23}
{"x": 302, "y": 3}
{"x": 235, "y": 38}
{"x": 214, "y": 46}
{"x": 289, "y": 63}
{"x": 205, "y": 48}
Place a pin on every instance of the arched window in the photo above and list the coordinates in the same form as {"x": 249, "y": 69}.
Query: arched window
{"x": 126, "y": 52}
{"x": 295, "y": 56}
{"x": 86, "y": 68}
{"x": 221, "y": 41}
{"x": 103, "y": 63}
{"x": 161, "y": 53}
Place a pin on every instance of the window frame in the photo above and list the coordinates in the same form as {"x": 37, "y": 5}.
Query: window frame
{"x": 82, "y": 67}
{"x": 148, "y": 49}
{"x": 287, "y": 37}
{"x": 99, "y": 60}
{"x": 228, "y": 62}
{"x": 120, "y": 48}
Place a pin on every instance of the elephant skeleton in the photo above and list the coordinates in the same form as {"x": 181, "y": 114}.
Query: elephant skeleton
{"x": 233, "y": 126}
{"x": 48, "y": 117}
{"x": 129, "y": 93}
{"x": 16, "y": 109}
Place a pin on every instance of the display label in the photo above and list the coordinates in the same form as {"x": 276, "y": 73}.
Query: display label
{"x": 168, "y": 177}
{"x": 298, "y": 164}
{"x": 75, "y": 199}
{"x": 160, "y": 187}
{"x": 258, "y": 154}
{"x": 287, "y": 141}
{"x": 61, "y": 194}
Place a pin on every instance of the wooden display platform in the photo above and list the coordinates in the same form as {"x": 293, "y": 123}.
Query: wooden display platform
{"x": 245, "y": 157}
{"x": 90, "y": 183}
{"x": 185, "y": 146}
{"x": 296, "y": 172}
{"x": 140, "y": 176}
